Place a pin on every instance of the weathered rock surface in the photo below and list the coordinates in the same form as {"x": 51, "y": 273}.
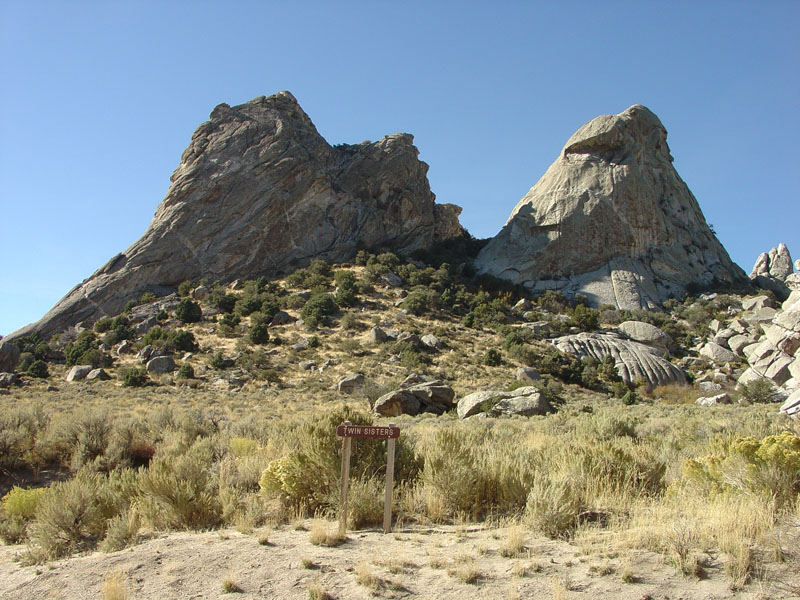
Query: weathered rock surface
{"x": 258, "y": 192}
{"x": 78, "y": 373}
{"x": 160, "y": 364}
{"x": 771, "y": 270}
{"x": 430, "y": 396}
{"x": 350, "y": 383}
{"x": 632, "y": 360}
{"x": 713, "y": 400}
{"x": 8, "y": 379}
{"x": 646, "y": 333}
{"x": 717, "y": 353}
{"x": 611, "y": 219}
{"x": 98, "y": 374}
{"x": 9, "y": 356}
{"x": 525, "y": 401}
{"x": 776, "y": 354}
{"x": 527, "y": 374}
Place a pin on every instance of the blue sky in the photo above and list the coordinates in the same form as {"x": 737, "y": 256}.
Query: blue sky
{"x": 99, "y": 99}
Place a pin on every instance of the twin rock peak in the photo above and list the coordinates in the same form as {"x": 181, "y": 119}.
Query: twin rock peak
{"x": 260, "y": 192}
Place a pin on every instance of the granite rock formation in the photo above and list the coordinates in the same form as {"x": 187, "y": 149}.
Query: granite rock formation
{"x": 612, "y": 220}
{"x": 772, "y": 269}
{"x": 633, "y": 360}
{"x": 260, "y": 192}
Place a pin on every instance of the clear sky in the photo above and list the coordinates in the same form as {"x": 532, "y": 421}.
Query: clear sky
{"x": 99, "y": 99}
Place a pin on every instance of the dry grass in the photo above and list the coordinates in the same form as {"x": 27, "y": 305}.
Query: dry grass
{"x": 366, "y": 578}
{"x": 115, "y": 587}
{"x": 464, "y": 569}
{"x": 316, "y": 591}
{"x": 324, "y": 533}
{"x": 513, "y": 544}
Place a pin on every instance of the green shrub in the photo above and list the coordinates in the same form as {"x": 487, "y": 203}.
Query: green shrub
{"x": 96, "y": 358}
{"x": 319, "y": 307}
{"x": 230, "y": 320}
{"x": 26, "y": 359}
{"x": 69, "y": 517}
{"x": 22, "y": 502}
{"x": 74, "y": 351}
{"x": 102, "y": 325}
{"x": 768, "y": 467}
{"x": 188, "y": 311}
{"x": 132, "y": 376}
{"x": 186, "y": 371}
{"x": 758, "y": 390}
{"x": 38, "y": 368}
{"x": 181, "y": 340}
{"x": 180, "y": 489}
{"x": 421, "y": 301}
{"x": 259, "y": 333}
{"x": 223, "y": 301}
{"x": 185, "y": 288}
{"x": 218, "y": 360}
{"x": 492, "y": 358}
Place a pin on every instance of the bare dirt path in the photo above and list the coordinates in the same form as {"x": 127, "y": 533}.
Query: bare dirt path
{"x": 448, "y": 562}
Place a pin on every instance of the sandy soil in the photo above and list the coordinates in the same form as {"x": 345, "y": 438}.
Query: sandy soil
{"x": 412, "y": 563}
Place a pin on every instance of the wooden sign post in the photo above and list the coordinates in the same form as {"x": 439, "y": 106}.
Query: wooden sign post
{"x": 347, "y": 432}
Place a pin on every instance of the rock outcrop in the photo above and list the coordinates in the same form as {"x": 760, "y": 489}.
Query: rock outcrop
{"x": 415, "y": 398}
{"x": 773, "y": 271}
{"x": 776, "y": 355}
{"x": 632, "y": 360}
{"x": 612, "y": 220}
{"x": 526, "y": 401}
{"x": 260, "y": 192}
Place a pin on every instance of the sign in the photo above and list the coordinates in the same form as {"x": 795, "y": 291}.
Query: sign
{"x": 368, "y": 431}
{"x": 348, "y": 431}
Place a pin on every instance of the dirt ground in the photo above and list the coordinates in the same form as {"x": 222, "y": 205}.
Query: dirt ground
{"x": 442, "y": 562}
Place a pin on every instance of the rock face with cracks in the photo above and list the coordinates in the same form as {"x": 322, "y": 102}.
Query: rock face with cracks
{"x": 612, "y": 220}
{"x": 260, "y": 192}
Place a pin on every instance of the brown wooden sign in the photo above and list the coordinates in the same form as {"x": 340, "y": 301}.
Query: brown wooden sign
{"x": 347, "y": 431}
{"x": 368, "y": 431}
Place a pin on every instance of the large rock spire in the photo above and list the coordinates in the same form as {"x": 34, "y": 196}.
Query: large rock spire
{"x": 612, "y": 220}
{"x": 259, "y": 192}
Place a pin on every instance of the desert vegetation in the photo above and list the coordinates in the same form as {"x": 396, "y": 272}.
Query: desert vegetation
{"x": 242, "y": 432}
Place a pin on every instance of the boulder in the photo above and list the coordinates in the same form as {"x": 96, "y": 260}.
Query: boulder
{"x": 281, "y": 318}
{"x": 391, "y": 279}
{"x": 398, "y": 402}
{"x": 350, "y": 383}
{"x": 9, "y": 356}
{"x": 713, "y": 400}
{"x": 780, "y": 262}
{"x": 9, "y": 379}
{"x": 97, "y": 374}
{"x": 124, "y": 348}
{"x": 527, "y": 374}
{"x": 431, "y": 342}
{"x": 611, "y": 220}
{"x": 376, "y": 335}
{"x": 645, "y": 333}
{"x": 260, "y": 191}
{"x": 430, "y": 396}
{"x": 737, "y": 343}
{"x": 633, "y": 360}
{"x": 709, "y": 387}
{"x": 200, "y": 292}
{"x": 791, "y": 406}
{"x": 160, "y": 364}
{"x": 307, "y": 365}
{"x": 757, "y": 302}
{"x": 717, "y": 353}
{"x": 78, "y": 373}
{"x": 525, "y": 401}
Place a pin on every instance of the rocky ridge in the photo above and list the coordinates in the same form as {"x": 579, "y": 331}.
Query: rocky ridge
{"x": 260, "y": 192}
{"x": 612, "y": 220}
